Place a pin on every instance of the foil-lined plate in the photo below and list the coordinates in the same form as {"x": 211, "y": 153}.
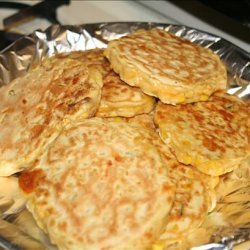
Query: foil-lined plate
{"x": 16, "y": 59}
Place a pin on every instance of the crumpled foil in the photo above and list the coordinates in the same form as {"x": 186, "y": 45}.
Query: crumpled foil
{"x": 16, "y": 59}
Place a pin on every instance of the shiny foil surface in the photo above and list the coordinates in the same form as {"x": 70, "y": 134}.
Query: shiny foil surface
{"x": 16, "y": 59}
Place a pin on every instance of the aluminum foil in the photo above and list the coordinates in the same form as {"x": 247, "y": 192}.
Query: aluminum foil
{"x": 29, "y": 50}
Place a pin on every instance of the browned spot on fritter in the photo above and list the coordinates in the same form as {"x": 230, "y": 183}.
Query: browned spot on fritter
{"x": 28, "y": 181}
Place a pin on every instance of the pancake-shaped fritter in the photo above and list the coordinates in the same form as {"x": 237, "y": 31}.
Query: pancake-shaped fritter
{"x": 166, "y": 66}
{"x": 194, "y": 195}
{"x": 120, "y": 99}
{"x": 212, "y": 136}
{"x": 233, "y": 194}
{"x": 193, "y": 200}
{"x": 92, "y": 57}
{"x": 100, "y": 185}
{"x": 35, "y": 107}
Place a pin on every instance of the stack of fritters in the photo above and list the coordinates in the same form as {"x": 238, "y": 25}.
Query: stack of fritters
{"x": 35, "y": 107}
{"x": 142, "y": 173}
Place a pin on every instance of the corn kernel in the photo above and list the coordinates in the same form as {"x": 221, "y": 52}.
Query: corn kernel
{"x": 117, "y": 119}
{"x": 158, "y": 246}
{"x": 204, "y": 97}
{"x": 187, "y": 158}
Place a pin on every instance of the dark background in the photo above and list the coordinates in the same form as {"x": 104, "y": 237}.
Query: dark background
{"x": 231, "y": 16}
